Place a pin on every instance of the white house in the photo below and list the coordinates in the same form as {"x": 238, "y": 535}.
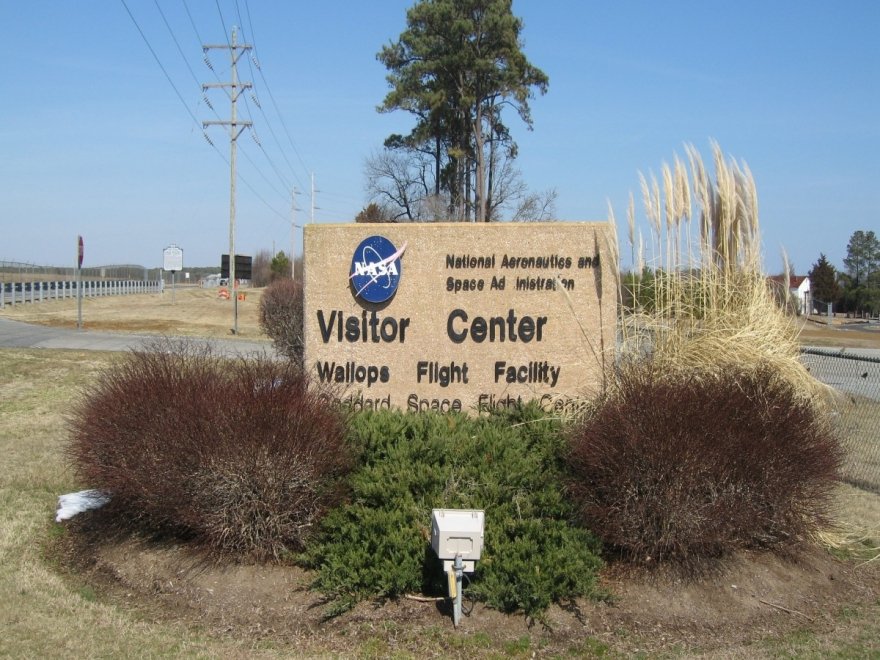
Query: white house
{"x": 799, "y": 288}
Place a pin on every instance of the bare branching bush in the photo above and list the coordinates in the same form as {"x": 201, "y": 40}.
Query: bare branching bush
{"x": 242, "y": 456}
{"x": 281, "y": 317}
{"x": 685, "y": 466}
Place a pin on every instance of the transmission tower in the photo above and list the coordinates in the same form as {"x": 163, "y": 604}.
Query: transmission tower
{"x": 235, "y": 128}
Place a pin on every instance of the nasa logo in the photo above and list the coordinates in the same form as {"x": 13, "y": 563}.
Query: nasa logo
{"x": 375, "y": 269}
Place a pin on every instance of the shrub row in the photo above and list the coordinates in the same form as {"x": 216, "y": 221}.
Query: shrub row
{"x": 247, "y": 459}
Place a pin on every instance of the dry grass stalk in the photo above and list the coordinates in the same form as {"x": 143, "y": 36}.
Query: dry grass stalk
{"x": 708, "y": 305}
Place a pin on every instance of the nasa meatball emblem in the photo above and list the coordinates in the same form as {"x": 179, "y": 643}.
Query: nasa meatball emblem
{"x": 375, "y": 269}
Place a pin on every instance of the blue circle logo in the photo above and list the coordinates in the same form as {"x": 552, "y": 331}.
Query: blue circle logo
{"x": 376, "y": 269}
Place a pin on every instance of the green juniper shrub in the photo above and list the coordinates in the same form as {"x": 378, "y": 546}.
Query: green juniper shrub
{"x": 242, "y": 456}
{"x": 281, "y": 317}
{"x": 508, "y": 464}
{"x": 691, "y": 464}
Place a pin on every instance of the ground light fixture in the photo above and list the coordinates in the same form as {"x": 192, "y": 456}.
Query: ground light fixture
{"x": 457, "y": 539}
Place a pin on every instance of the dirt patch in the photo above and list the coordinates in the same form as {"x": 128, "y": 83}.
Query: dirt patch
{"x": 735, "y": 604}
{"x": 749, "y": 597}
{"x": 839, "y": 332}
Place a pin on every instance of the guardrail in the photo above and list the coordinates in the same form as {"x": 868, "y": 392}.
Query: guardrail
{"x": 18, "y": 293}
{"x": 856, "y": 411}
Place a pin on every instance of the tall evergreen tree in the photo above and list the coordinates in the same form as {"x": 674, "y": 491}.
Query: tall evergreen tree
{"x": 823, "y": 281}
{"x": 457, "y": 64}
{"x": 862, "y": 256}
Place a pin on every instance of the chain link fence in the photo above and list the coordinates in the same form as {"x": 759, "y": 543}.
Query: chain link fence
{"x": 856, "y": 412}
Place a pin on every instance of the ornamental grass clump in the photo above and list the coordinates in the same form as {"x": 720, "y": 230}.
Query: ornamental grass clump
{"x": 711, "y": 434}
{"x": 697, "y": 297}
{"x": 240, "y": 456}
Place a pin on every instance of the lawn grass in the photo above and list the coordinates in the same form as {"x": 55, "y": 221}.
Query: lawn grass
{"x": 42, "y": 612}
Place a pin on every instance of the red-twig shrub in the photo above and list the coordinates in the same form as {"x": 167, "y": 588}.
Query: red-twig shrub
{"x": 239, "y": 455}
{"x": 690, "y": 465}
{"x": 281, "y": 317}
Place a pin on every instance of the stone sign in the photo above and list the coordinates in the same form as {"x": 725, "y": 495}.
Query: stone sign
{"x": 459, "y": 316}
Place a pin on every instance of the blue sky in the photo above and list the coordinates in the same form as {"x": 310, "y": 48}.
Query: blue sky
{"x": 95, "y": 140}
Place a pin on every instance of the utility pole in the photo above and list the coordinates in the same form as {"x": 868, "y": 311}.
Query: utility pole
{"x": 312, "y": 215}
{"x": 293, "y": 227}
{"x": 235, "y": 129}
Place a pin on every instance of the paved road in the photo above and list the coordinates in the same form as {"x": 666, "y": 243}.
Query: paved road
{"x": 14, "y": 334}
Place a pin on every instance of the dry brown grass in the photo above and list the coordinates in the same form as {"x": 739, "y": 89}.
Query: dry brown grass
{"x": 857, "y": 533}
{"x": 189, "y": 312}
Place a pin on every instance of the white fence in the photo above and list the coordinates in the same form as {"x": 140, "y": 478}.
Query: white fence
{"x": 17, "y": 293}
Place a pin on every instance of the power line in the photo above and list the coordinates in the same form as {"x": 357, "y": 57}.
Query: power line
{"x": 245, "y": 182}
{"x": 284, "y": 183}
{"x": 192, "y": 22}
{"x": 159, "y": 62}
{"x": 200, "y": 41}
{"x": 235, "y": 128}
{"x": 176, "y": 42}
{"x": 192, "y": 115}
{"x": 259, "y": 105}
{"x": 223, "y": 23}
{"x": 281, "y": 178}
{"x": 260, "y": 172}
{"x": 272, "y": 96}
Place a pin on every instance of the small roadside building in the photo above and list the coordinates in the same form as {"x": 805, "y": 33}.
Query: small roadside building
{"x": 798, "y": 290}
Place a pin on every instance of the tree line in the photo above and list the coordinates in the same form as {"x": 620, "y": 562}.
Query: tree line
{"x": 856, "y": 288}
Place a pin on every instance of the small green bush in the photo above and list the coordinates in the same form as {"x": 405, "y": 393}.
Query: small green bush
{"x": 691, "y": 464}
{"x": 281, "y": 317}
{"x": 241, "y": 456}
{"x": 508, "y": 464}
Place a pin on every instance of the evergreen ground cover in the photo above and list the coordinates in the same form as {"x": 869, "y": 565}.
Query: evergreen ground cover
{"x": 507, "y": 464}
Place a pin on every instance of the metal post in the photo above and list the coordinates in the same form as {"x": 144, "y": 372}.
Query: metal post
{"x": 79, "y": 300}
{"x": 292, "y": 233}
{"x": 459, "y": 571}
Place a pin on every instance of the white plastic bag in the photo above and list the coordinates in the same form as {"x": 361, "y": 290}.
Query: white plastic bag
{"x": 73, "y": 503}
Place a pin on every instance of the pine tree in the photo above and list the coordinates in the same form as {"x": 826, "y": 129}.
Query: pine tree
{"x": 280, "y": 266}
{"x": 862, "y": 256}
{"x": 861, "y": 292}
{"x": 457, "y": 64}
{"x": 823, "y": 281}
